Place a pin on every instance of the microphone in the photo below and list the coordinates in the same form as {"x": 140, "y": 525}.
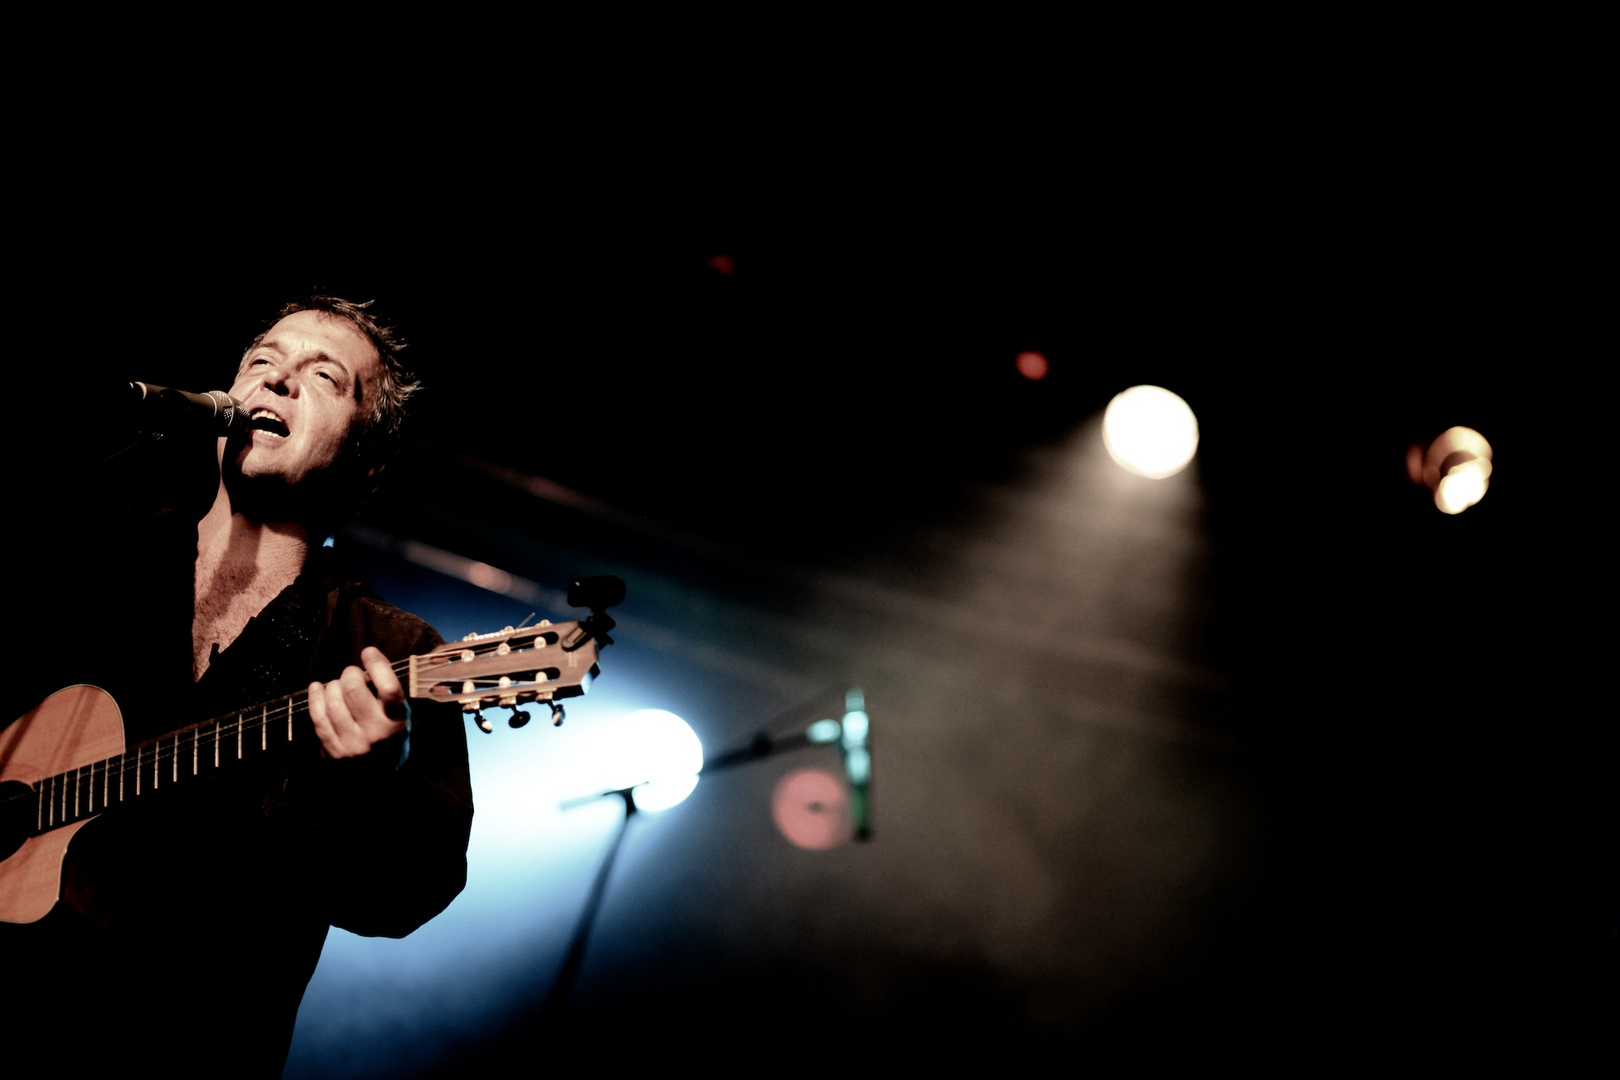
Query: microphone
{"x": 163, "y": 409}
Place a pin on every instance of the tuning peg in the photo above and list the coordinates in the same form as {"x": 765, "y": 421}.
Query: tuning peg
{"x": 520, "y": 716}
{"x": 557, "y": 715}
{"x": 483, "y": 724}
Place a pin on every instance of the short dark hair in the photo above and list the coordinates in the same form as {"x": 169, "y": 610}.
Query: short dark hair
{"x": 381, "y": 430}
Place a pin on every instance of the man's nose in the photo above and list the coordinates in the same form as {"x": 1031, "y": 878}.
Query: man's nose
{"x": 279, "y": 381}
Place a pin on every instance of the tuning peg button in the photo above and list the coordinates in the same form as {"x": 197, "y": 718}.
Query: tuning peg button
{"x": 483, "y": 723}
{"x": 520, "y": 716}
{"x": 557, "y": 715}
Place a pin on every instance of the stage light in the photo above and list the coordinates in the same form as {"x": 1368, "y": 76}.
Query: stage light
{"x": 1032, "y": 365}
{"x": 1456, "y": 467}
{"x": 1150, "y": 432}
{"x": 652, "y": 753}
{"x": 661, "y": 750}
{"x": 811, "y": 811}
{"x": 824, "y": 731}
{"x": 663, "y": 792}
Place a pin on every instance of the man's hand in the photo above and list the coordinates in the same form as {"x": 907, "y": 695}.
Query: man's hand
{"x": 351, "y": 716}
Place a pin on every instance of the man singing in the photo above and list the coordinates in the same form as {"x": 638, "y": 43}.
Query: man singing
{"x": 189, "y": 924}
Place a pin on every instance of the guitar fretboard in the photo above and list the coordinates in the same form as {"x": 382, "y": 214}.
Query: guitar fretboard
{"x": 166, "y": 761}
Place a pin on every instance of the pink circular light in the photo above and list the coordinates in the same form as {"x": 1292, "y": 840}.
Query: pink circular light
{"x": 810, "y": 808}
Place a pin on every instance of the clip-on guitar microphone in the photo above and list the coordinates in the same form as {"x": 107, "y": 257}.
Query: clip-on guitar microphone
{"x": 598, "y": 594}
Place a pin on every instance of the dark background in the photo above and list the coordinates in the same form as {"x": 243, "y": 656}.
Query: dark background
{"x": 1282, "y": 762}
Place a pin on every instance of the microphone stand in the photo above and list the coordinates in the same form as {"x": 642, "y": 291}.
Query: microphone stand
{"x": 761, "y": 746}
{"x": 551, "y": 1010}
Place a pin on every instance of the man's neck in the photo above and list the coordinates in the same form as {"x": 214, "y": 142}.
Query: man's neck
{"x": 242, "y": 564}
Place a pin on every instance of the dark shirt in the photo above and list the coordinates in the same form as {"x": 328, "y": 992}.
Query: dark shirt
{"x": 191, "y": 923}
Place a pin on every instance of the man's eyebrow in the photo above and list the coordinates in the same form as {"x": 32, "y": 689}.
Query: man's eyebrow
{"x": 321, "y": 358}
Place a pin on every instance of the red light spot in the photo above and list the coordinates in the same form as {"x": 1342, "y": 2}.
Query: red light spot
{"x": 722, "y": 264}
{"x": 1032, "y": 365}
{"x": 810, "y": 808}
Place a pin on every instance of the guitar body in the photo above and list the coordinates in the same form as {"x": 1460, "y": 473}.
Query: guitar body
{"x": 71, "y": 728}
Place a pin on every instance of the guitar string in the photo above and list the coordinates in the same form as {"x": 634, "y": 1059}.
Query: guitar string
{"x": 208, "y": 736}
{"x": 400, "y": 667}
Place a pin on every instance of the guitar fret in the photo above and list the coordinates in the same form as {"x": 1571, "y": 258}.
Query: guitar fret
{"x": 87, "y": 789}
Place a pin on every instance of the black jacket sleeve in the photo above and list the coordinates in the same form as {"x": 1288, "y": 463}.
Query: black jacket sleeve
{"x": 388, "y": 840}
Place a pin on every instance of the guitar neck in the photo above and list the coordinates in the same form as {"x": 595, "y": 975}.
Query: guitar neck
{"x": 534, "y": 664}
{"x": 166, "y": 762}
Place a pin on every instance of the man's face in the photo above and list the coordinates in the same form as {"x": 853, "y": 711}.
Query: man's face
{"x": 306, "y": 386}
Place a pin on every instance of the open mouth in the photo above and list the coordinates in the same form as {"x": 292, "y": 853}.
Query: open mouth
{"x": 265, "y": 420}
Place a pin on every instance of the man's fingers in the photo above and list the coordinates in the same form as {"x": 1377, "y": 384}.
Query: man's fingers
{"x": 355, "y": 693}
{"x": 386, "y": 682}
{"x": 358, "y": 709}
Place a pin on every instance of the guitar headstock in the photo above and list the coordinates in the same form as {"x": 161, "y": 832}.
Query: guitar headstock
{"x": 542, "y": 663}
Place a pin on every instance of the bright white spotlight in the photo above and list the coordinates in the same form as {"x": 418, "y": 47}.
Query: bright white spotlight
{"x": 658, "y": 754}
{"x": 1150, "y": 432}
{"x": 1456, "y": 467}
{"x": 663, "y": 792}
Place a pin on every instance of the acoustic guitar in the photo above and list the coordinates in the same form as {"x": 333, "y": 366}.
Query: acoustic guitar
{"x": 65, "y": 761}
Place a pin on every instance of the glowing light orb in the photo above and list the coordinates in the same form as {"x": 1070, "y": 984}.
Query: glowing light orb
{"x": 656, "y": 752}
{"x": 824, "y": 731}
{"x": 1032, "y": 365}
{"x": 663, "y": 792}
{"x": 1456, "y": 467}
{"x": 810, "y": 808}
{"x": 1150, "y": 432}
